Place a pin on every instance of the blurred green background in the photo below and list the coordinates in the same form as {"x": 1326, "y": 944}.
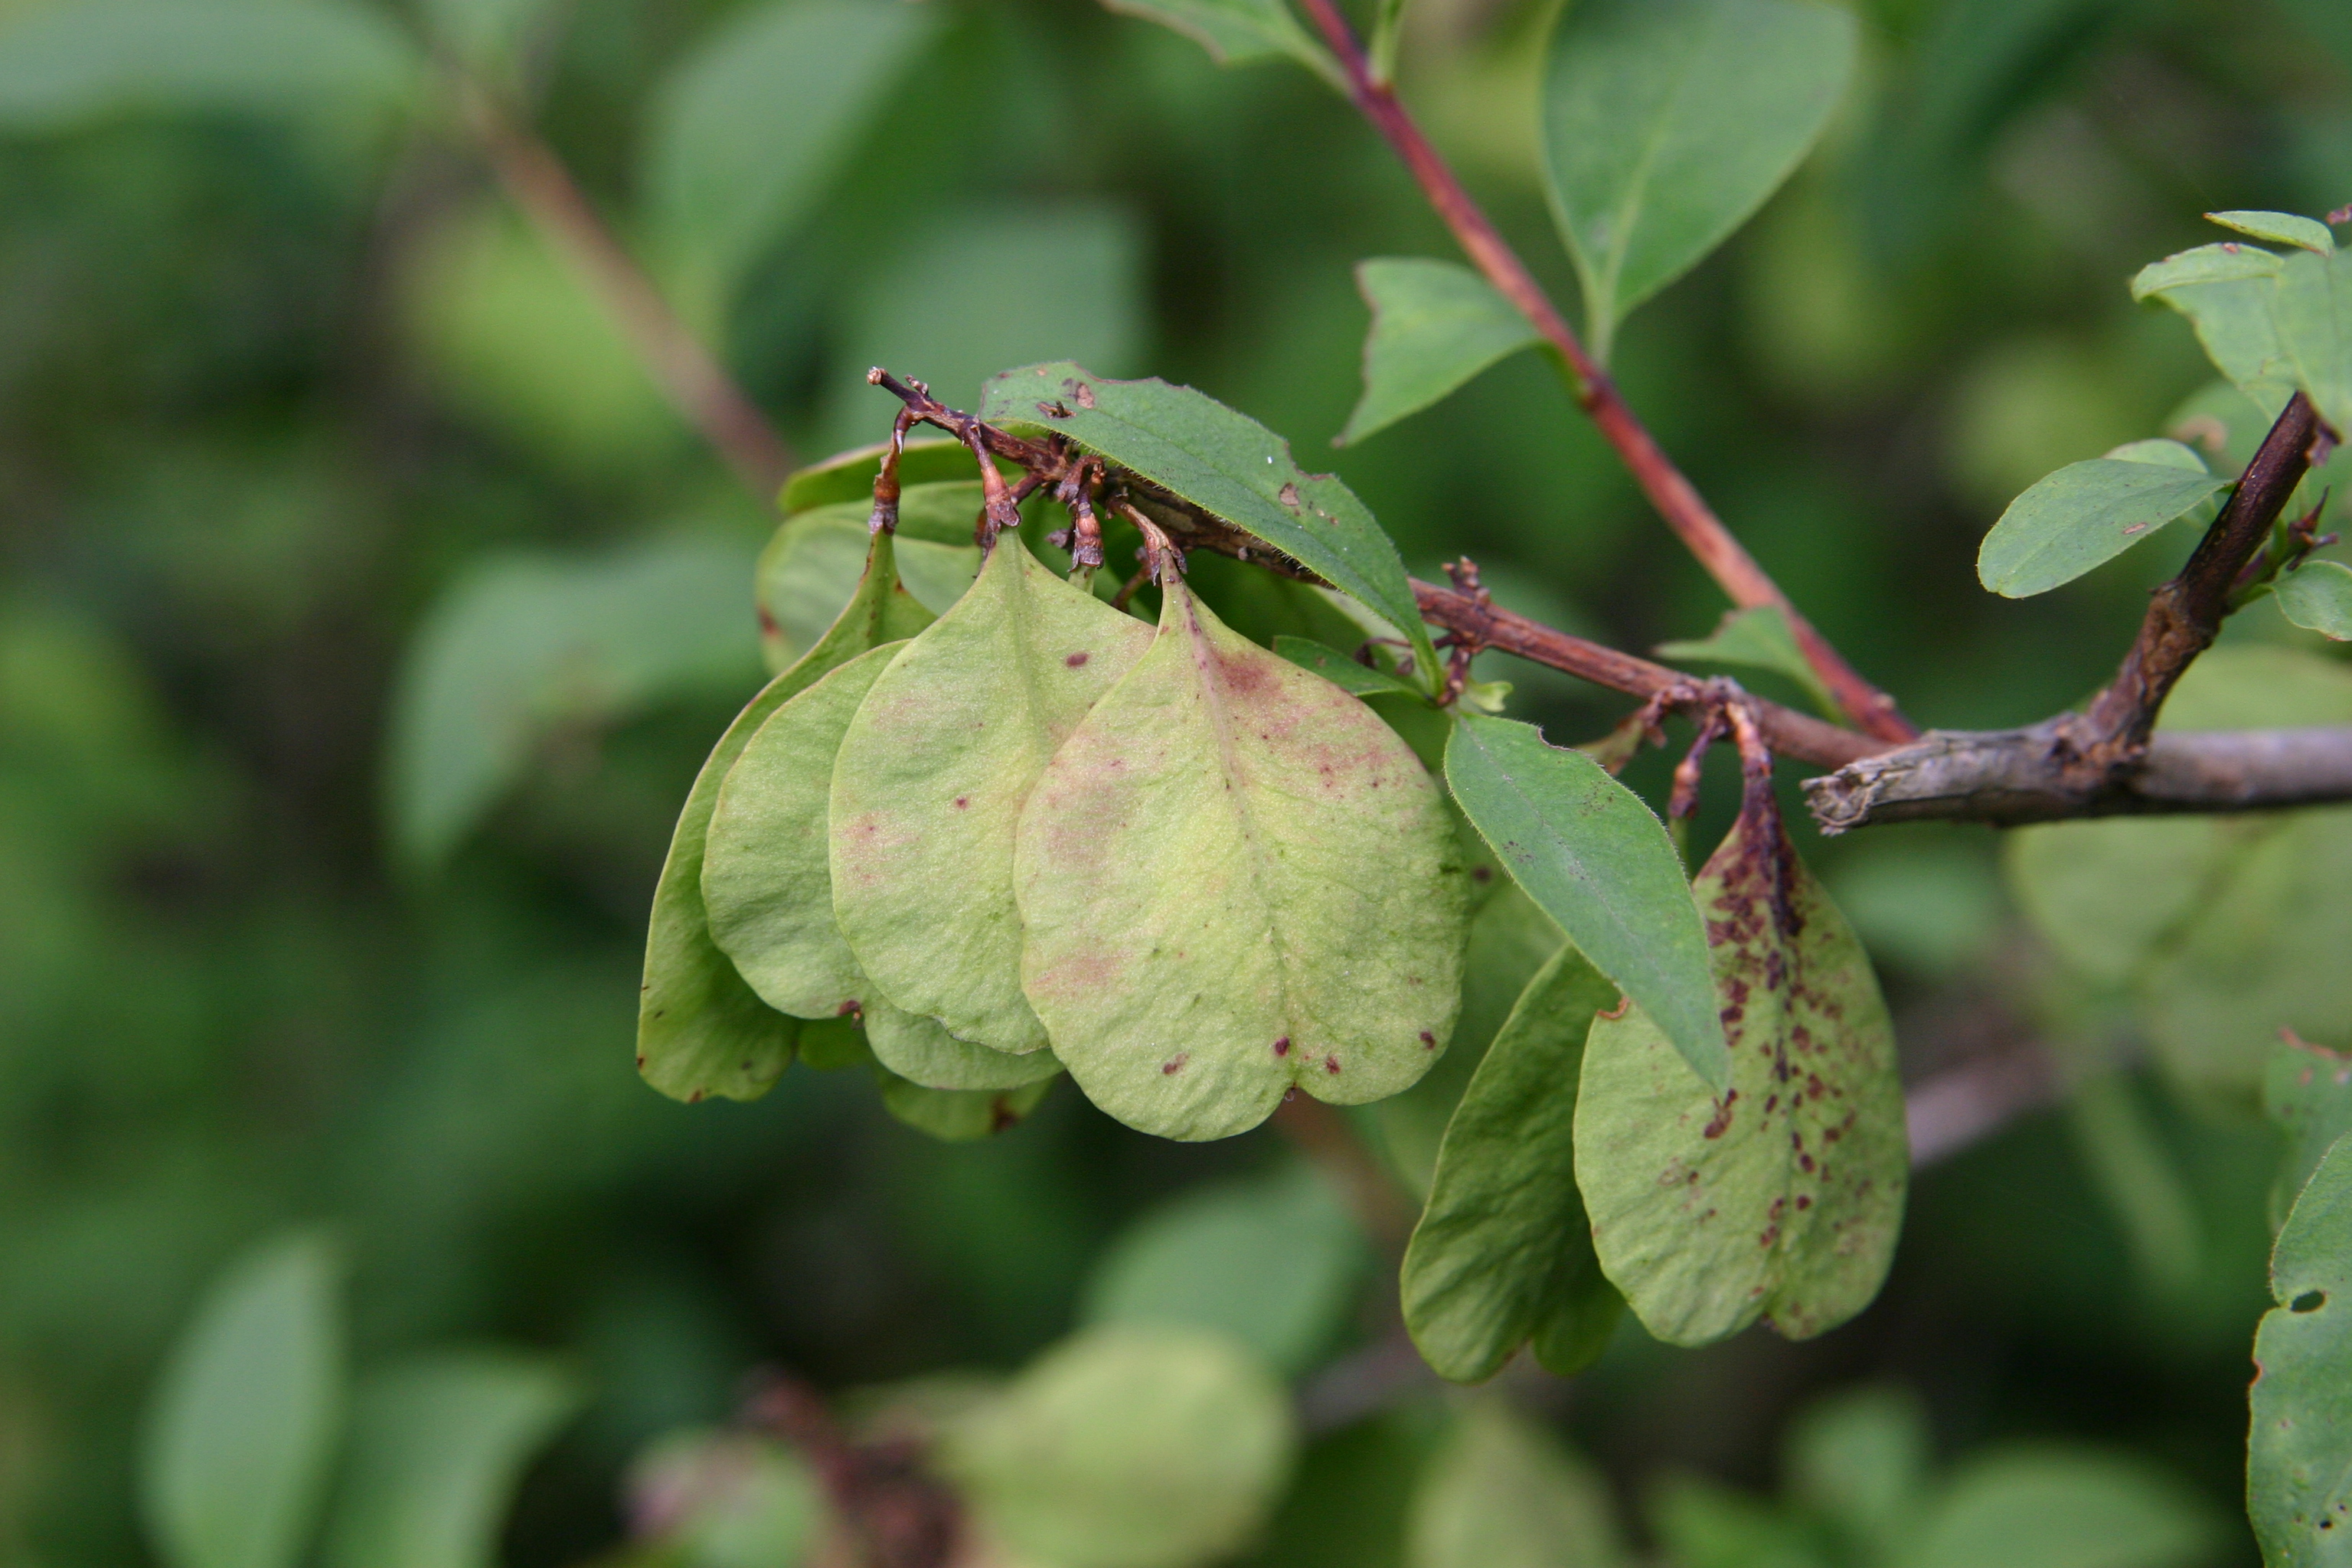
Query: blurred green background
{"x": 302, "y": 424}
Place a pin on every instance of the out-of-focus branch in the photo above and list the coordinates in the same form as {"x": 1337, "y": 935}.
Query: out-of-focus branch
{"x": 1680, "y": 504}
{"x": 688, "y": 375}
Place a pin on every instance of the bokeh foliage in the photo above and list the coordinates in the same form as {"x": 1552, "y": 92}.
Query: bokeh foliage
{"x": 288, "y": 394}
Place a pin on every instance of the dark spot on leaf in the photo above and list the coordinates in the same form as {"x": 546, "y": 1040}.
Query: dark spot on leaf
{"x": 695, "y": 1099}
{"x": 1174, "y": 1064}
{"x": 1289, "y": 496}
{"x": 1001, "y": 1114}
{"x": 1077, "y": 659}
{"x": 1482, "y": 873}
{"x": 641, "y": 1059}
{"x": 847, "y": 1009}
{"x": 1722, "y": 1119}
{"x": 1803, "y": 1203}
{"x": 1282, "y": 1047}
{"x": 1428, "y": 1041}
{"x": 2309, "y": 1302}
{"x": 1331, "y": 1064}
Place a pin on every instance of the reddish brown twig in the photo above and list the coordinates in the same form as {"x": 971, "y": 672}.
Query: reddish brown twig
{"x": 1693, "y": 521}
{"x": 2185, "y": 613}
{"x": 693, "y": 380}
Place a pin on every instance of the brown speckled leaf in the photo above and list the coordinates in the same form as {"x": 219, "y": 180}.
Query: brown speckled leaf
{"x": 1783, "y": 1198}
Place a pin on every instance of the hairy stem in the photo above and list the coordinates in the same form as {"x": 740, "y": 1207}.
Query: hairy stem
{"x": 1678, "y": 503}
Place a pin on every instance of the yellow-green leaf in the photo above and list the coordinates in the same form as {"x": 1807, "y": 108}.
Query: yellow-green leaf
{"x": 930, "y": 780}
{"x": 1237, "y": 881}
{"x": 1503, "y": 1253}
{"x": 700, "y": 1029}
{"x": 1781, "y": 1198}
{"x": 2299, "y": 1452}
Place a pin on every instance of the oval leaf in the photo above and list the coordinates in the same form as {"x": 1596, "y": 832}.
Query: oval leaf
{"x": 1237, "y": 880}
{"x": 1227, "y": 464}
{"x": 959, "y": 1115}
{"x": 930, "y": 780}
{"x": 1503, "y": 1253}
{"x": 744, "y": 133}
{"x": 1666, "y": 122}
{"x": 2313, "y": 307}
{"x": 1593, "y": 859}
{"x": 921, "y": 1051}
{"x": 2083, "y": 516}
{"x": 1435, "y": 325}
{"x": 1502, "y": 1492}
{"x": 2042, "y": 1506}
{"x": 1238, "y": 32}
{"x": 767, "y": 883}
{"x": 2307, "y": 1091}
{"x": 1783, "y": 1197}
{"x": 242, "y": 1434}
{"x": 62, "y": 66}
{"x": 2280, "y": 228}
{"x": 2227, "y": 291}
{"x": 1271, "y": 1261}
{"x": 700, "y": 1029}
{"x": 1129, "y": 1448}
{"x": 2317, "y": 596}
{"x": 438, "y": 1446}
{"x": 2299, "y": 1456}
{"x": 812, "y": 562}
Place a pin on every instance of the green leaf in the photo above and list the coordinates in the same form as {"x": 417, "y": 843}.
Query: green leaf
{"x": 2317, "y": 596}
{"x": 811, "y": 566}
{"x": 2227, "y": 292}
{"x": 1756, "y": 639}
{"x": 243, "y": 1427}
{"x": 488, "y": 36}
{"x": 2299, "y": 1455}
{"x": 1783, "y": 1197}
{"x": 1861, "y": 1459}
{"x": 2223, "y": 930}
{"x": 745, "y": 133}
{"x": 524, "y": 645}
{"x": 2086, "y": 514}
{"x": 1667, "y": 122}
{"x": 438, "y": 1445}
{"x": 1236, "y": 882}
{"x": 1128, "y": 1446}
{"x": 1503, "y": 1253}
{"x": 68, "y": 65}
{"x": 714, "y": 1498}
{"x": 921, "y": 1051}
{"x": 2307, "y": 1090}
{"x": 1435, "y": 325}
{"x": 848, "y": 477}
{"x": 700, "y": 1030}
{"x": 2280, "y": 228}
{"x": 959, "y": 1115}
{"x": 1510, "y": 940}
{"x": 2313, "y": 307}
{"x": 1593, "y": 859}
{"x": 1502, "y": 1492}
{"x": 767, "y": 884}
{"x": 1272, "y": 1261}
{"x": 1228, "y": 465}
{"x": 1347, "y": 674}
{"x": 1700, "y": 1524}
{"x": 931, "y": 778}
{"x": 2042, "y": 1506}
{"x": 1239, "y": 32}
{"x": 517, "y": 344}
